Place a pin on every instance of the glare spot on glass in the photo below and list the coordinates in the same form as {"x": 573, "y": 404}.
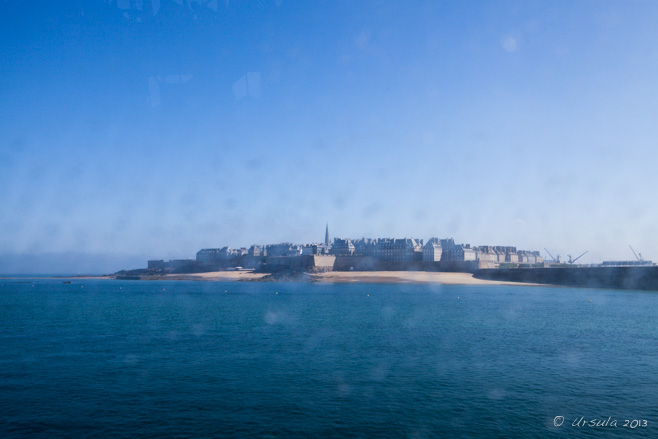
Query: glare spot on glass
{"x": 154, "y": 85}
{"x": 510, "y": 44}
{"x": 247, "y": 85}
{"x": 362, "y": 40}
{"x": 496, "y": 394}
{"x": 154, "y": 91}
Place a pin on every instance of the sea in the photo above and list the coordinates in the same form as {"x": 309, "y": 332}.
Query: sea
{"x": 150, "y": 359}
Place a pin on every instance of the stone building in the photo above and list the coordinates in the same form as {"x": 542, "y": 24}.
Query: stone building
{"x": 365, "y": 246}
{"x": 256, "y": 251}
{"x": 487, "y": 256}
{"x": 208, "y": 255}
{"x": 294, "y": 250}
{"x": 278, "y": 249}
{"x": 399, "y": 250}
{"x": 529, "y": 257}
{"x": 432, "y": 250}
{"x": 342, "y": 247}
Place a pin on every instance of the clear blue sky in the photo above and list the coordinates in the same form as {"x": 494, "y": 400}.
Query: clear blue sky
{"x": 151, "y": 129}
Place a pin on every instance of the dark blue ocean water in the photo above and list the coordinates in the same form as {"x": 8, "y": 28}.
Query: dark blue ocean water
{"x": 97, "y": 359}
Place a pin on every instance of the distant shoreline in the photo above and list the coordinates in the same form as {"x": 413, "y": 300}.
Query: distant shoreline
{"x": 386, "y": 277}
{"x": 622, "y": 278}
{"x": 382, "y": 277}
{"x": 415, "y": 277}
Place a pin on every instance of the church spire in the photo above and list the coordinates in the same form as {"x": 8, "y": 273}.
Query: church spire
{"x": 326, "y": 236}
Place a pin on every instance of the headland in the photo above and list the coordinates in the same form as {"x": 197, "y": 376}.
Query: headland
{"x": 393, "y": 260}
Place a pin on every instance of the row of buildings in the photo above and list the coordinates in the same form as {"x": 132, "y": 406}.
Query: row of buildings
{"x": 435, "y": 250}
{"x": 379, "y": 253}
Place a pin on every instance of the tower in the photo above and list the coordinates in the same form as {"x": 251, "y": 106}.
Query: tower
{"x": 326, "y": 236}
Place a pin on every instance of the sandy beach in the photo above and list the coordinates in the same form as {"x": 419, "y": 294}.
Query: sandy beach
{"x": 392, "y": 277}
{"x": 406, "y": 277}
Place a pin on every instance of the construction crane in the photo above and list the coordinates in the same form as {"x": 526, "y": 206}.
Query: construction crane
{"x": 572, "y": 261}
{"x": 557, "y": 261}
{"x": 639, "y": 258}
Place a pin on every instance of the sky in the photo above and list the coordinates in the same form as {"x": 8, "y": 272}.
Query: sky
{"x": 134, "y": 130}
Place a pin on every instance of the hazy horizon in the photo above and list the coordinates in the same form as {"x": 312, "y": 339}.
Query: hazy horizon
{"x": 135, "y": 130}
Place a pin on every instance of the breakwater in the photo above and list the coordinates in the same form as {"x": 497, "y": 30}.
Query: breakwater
{"x": 627, "y": 278}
